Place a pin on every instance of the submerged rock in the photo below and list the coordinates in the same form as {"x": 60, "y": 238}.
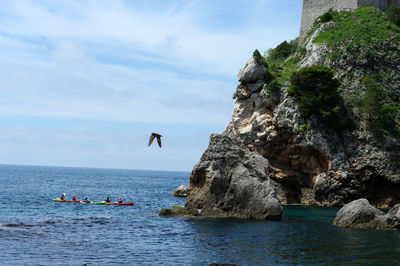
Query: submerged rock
{"x": 178, "y": 211}
{"x": 232, "y": 181}
{"x": 181, "y": 191}
{"x": 359, "y": 214}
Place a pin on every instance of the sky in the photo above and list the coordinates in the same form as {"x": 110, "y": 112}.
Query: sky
{"x": 84, "y": 83}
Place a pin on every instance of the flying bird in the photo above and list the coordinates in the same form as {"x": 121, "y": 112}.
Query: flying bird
{"x": 155, "y": 135}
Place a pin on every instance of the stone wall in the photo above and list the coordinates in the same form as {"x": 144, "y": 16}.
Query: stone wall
{"x": 382, "y": 4}
{"x": 345, "y": 4}
{"x": 315, "y": 8}
{"x": 311, "y": 10}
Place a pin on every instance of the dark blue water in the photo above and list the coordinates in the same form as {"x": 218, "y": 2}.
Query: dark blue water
{"x": 36, "y": 230}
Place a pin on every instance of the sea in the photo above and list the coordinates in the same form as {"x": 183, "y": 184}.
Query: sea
{"x": 34, "y": 230}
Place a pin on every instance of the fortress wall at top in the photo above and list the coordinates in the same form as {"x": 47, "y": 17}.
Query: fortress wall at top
{"x": 341, "y": 5}
{"x": 312, "y": 9}
{"x": 381, "y": 4}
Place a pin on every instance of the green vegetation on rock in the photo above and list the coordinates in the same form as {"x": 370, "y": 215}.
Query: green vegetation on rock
{"x": 380, "y": 116}
{"x": 282, "y": 62}
{"x": 394, "y": 14}
{"x": 273, "y": 86}
{"x": 316, "y": 91}
{"x": 259, "y": 58}
{"x": 282, "y": 51}
{"x": 364, "y": 52}
{"x": 362, "y": 26}
{"x": 328, "y": 16}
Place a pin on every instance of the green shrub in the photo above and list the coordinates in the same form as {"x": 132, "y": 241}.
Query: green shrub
{"x": 304, "y": 127}
{"x": 381, "y": 117}
{"x": 372, "y": 101}
{"x": 328, "y": 16}
{"x": 282, "y": 51}
{"x": 259, "y": 58}
{"x": 273, "y": 86}
{"x": 316, "y": 91}
{"x": 302, "y": 51}
{"x": 394, "y": 14}
{"x": 387, "y": 121}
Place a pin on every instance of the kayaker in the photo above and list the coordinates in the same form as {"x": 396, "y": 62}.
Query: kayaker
{"x": 62, "y": 197}
{"x": 121, "y": 200}
{"x": 108, "y": 199}
{"x": 73, "y": 197}
{"x": 86, "y": 200}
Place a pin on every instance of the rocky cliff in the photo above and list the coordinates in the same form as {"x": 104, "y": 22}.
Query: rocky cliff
{"x": 270, "y": 150}
{"x": 231, "y": 180}
{"x": 312, "y": 164}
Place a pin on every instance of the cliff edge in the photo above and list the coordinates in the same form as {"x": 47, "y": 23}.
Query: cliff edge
{"x": 313, "y": 124}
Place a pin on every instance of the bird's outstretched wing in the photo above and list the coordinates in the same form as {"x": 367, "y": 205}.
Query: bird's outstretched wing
{"x": 159, "y": 140}
{"x": 151, "y": 140}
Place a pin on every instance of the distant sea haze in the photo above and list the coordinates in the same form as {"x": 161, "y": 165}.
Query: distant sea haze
{"x": 36, "y": 230}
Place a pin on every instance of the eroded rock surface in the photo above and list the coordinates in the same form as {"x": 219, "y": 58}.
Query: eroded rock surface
{"x": 181, "y": 191}
{"x": 251, "y": 71}
{"x": 310, "y": 164}
{"x": 269, "y": 152}
{"x": 230, "y": 180}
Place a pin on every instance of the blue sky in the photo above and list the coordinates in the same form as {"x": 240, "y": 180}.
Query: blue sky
{"x": 84, "y": 83}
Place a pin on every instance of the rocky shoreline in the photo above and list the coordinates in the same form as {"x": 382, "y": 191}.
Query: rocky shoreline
{"x": 359, "y": 214}
{"x": 270, "y": 154}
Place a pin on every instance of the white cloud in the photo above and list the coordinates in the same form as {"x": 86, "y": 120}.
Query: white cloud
{"x": 157, "y": 62}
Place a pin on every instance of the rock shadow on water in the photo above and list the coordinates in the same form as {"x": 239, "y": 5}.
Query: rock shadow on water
{"x": 17, "y": 225}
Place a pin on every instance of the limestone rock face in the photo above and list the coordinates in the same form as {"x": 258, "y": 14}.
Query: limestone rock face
{"x": 181, "y": 191}
{"x": 317, "y": 53}
{"x": 311, "y": 165}
{"x": 230, "y": 180}
{"x": 251, "y": 72}
{"x": 359, "y": 214}
{"x": 269, "y": 152}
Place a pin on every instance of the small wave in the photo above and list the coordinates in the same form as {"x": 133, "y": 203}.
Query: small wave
{"x": 85, "y": 218}
{"x": 91, "y": 220}
{"x": 100, "y": 217}
{"x": 100, "y": 220}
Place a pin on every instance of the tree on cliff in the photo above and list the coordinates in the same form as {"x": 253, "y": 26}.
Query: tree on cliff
{"x": 316, "y": 91}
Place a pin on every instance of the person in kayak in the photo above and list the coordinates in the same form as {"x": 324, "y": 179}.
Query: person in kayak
{"x": 73, "y": 197}
{"x": 120, "y": 200}
{"x": 86, "y": 200}
{"x": 62, "y": 197}
{"x": 108, "y": 199}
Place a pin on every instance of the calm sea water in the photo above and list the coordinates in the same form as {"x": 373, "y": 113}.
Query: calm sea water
{"x": 35, "y": 230}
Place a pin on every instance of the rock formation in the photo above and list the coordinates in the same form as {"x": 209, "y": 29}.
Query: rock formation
{"x": 230, "y": 180}
{"x": 181, "y": 191}
{"x": 359, "y": 214}
{"x": 270, "y": 154}
{"x": 310, "y": 164}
